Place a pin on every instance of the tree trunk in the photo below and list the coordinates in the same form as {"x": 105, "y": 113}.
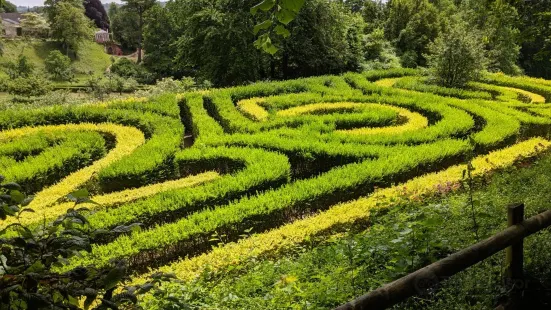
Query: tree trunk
{"x": 140, "y": 38}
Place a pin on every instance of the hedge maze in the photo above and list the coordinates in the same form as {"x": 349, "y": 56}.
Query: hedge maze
{"x": 270, "y": 164}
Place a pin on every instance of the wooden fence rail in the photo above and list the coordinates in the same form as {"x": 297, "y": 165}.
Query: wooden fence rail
{"x": 422, "y": 279}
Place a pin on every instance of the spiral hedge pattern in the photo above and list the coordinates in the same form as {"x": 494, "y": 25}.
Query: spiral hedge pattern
{"x": 268, "y": 165}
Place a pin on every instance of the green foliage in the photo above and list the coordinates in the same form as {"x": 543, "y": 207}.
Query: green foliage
{"x": 28, "y": 281}
{"x": 214, "y": 42}
{"x": 140, "y": 8}
{"x": 58, "y": 66}
{"x": 535, "y": 28}
{"x": 33, "y": 85}
{"x": 271, "y": 171}
{"x": 7, "y": 7}
{"x": 126, "y": 68}
{"x": 412, "y": 25}
{"x": 125, "y": 28}
{"x": 44, "y": 162}
{"x": 498, "y": 22}
{"x": 159, "y": 34}
{"x": 379, "y": 53}
{"x": 34, "y": 25}
{"x": 169, "y": 85}
{"x": 98, "y": 87}
{"x": 323, "y": 39}
{"x": 282, "y": 12}
{"x": 326, "y": 272}
{"x": 456, "y": 56}
{"x": 21, "y": 68}
{"x": 92, "y": 58}
{"x": 70, "y": 26}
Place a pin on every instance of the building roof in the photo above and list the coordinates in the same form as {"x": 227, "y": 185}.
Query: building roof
{"x": 12, "y": 18}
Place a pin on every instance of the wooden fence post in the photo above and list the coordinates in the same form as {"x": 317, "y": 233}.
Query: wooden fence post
{"x": 515, "y": 253}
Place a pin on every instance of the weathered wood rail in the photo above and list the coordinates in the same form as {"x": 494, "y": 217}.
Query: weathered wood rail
{"x": 425, "y": 278}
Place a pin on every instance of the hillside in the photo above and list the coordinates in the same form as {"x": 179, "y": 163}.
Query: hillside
{"x": 92, "y": 57}
{"x": 274, "y": 165}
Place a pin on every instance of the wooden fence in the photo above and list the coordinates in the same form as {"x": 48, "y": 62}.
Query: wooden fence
{"x": 422, "y": 279}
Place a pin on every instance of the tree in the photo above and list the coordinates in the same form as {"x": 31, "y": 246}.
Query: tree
{"x": 7, "y": 7}
{"x": 324, "y": 39}
{"x": 379, "y": 53}
{"x": 51, "y": 10}
{"x": 124, "y": 26}
{"x": 412, "y": 25}
{"x": 503, "y": 50}
{"x": 94, "y": 10}
{"x": 158, "y": 37}
{"x": 20, "y": 68}
{"x": 456, "y": 56}
{"x": 70, "y": 26}
{"x": 34, "y": 25}
{"x": 139, "y": 7}
{"x": 128, "y": 69}
{"x": 1, "y": 38}
{"x": 58, "y": 66}
{"x": 213, "y": 41}
{"x": 498, "y": 21}
{"x": 535, "y": 31}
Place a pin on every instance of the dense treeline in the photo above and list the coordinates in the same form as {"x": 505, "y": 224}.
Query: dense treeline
{"x": 215, "y": 40}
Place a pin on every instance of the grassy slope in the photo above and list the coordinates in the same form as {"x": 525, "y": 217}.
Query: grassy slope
{"x": 91, "y": 57}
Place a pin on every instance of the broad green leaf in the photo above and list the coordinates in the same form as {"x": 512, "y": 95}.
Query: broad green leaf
{"x": 264, "y": 6}
{"x": 282, "y": 31}
{"x": 37, "y": 267}
{"x": 81, "y": 193}
{"x": 17, "y": 196}
{"x": 285, "y": 16}
{"x": 262, "y": 26}
{"x": 292, "y": 5}
{"x": 113, "y": 277}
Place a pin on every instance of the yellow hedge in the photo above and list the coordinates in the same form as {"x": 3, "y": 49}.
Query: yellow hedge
{"x": 251, "y": 108}
{"x": 116, "y": 198}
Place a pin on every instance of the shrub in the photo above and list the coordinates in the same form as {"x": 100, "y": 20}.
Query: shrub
{"x": 29, "y": 86}
{"x": 28, "y": 278}
{"x": 3, "y": 84}
{"x": 175, "y": 86}
{"x": 409, "y": 59}
{"x": 58, "y": 66}
{"x": 457, "y": 56}
{"x": 126, "y": 68}
{"x": 19, "y": 68}
{"x": 98, "y": 87}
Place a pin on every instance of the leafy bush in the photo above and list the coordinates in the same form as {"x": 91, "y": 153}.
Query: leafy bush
{"x": 19, "y": 68}
{"x": 58, "y": 66}
{"x": 456, "y": 56}
{"x": 33, "y": 85}
{"x": 3, "y": 84}
{"x": 126, "y": 68}
{"x": 98, "y": 87}
{"x": 28, "y": 260}
{"x": 379, "y": 53}
{"x": 170, "y": 85}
